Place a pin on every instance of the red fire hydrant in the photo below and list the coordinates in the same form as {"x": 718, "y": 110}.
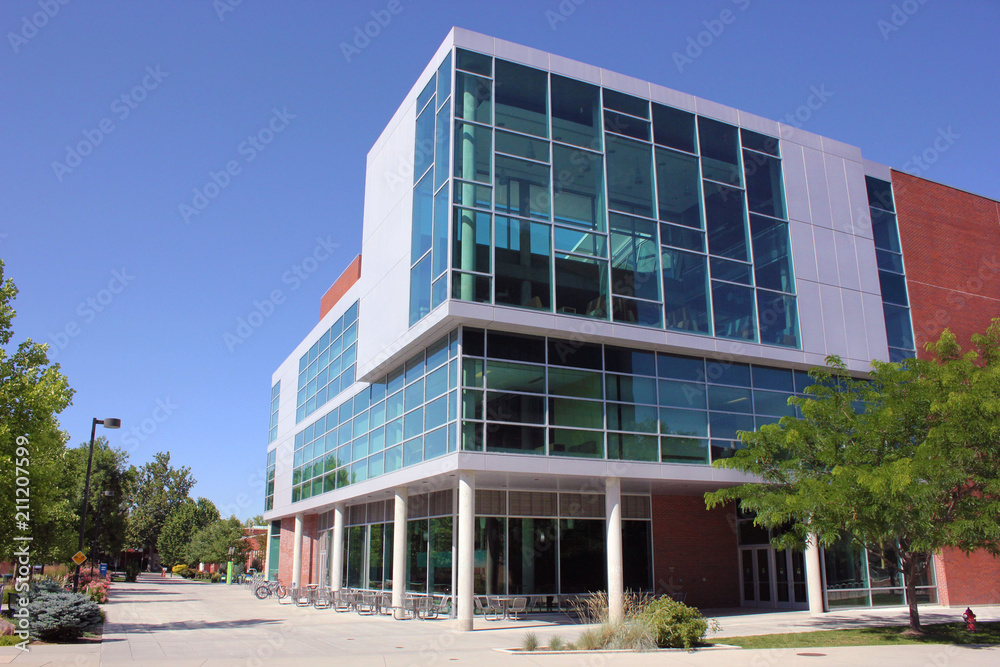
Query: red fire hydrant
{"x": 970, "y": 620}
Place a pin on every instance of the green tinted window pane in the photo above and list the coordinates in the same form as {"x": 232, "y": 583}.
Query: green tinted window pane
{"x": 879, "y": 193}
{"x": 884, "y": 230}
{"x": 778, "y": 379}
{"x": 442, "y": 138}
{"x": 683, "y": 422}
{"x": 723, "y": 372}
{"x": 575, "y": 354}
{"x": 435, "y": 443}
{"x": 472, "y": 437}
{"x": 778, "y": 319}
{"x": 893, "y": 288}
{"x": 677, "y": 182}
{"x": 771, "y": 254}
{"x": 725, "y": 220}
{"x": 631, "y": 388}
{"x": 423, "y": 219}
{"x": 413, "y": 451}
{"x": 685, "y": 290}
{"x": 673, "y": 127}
{"x": 626, "y": 125}
{"x": 630, "y": 417}
{"x": 515, "y": 408}
{"x": 472, "y": 372}
{"x": 472, "y": 404}
{"x": 376, "y": 440}
{"x": 441, "y": 211}
{"x": 764, "y": 187}
{"x": 444, "y": 79}
{"x": 734, "y": 272}
{"x": 719, "y": 151}
{"x": 578, "y": 187}
{"x": 394, "y": 432}
{"x": 413, "y": 423}
{"x": 631, "y": 311}
{"x": 630, "y": 176}
{"x": 733, "y": 311}
{"x": 468, "y": 287}
{"x": 437, "y": 382}
{"x": 899, "y": 332}
{"x": 725, "y": 425}
{"x": 625, "y": 360}
{"x": 413, "y": 395}
{"x": 427, "y": 93}
{"x": 522, "y": 146}
{"x": 570, "y": 412}
{"x": 521, "y": 96}
{"x": 393, "y": 458}
{"x": 889, "y": 261}
{"x": 472, "y": 240}
{"x": 439, "y": 292}
{"x": 635, "y": 262}
{"x": 629, "y": 447}
{"x": 625, "y": 103}
{"x": 585, "y": 444}
{"x": 474, "y": 62}
{"x": 515, "y": 439}
{"x": 473, "y": 98}
{"x": 473, "y": 151}
{"x": 394, "y": 405}
{"x": 505, "y": 375}
{"x": 582, "y": 286}
{"x": 675, "y": 393}
{"x": 436, "y": 413}
{"x": 523, "y": 264}
{"x": 423, "y": 145}
{"x": 473, "y": 195}
{"x": 576, "y": 112}
{"x": 682, "y": 237}
{"x": 772, "y": 403}
{"x": 683, "y": 450}
{"x": 521, "y": 187}
{"x": 420, "y": 290}
{"x": 680, "y": 368}
{"x": 729, "y": 399}
{"x": 576, "y": 383}
{"x": 759, "y": 142}
{"x": 581, "y": 243}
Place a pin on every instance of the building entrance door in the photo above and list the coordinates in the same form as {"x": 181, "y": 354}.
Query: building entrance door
{"x": 770, "y": 578}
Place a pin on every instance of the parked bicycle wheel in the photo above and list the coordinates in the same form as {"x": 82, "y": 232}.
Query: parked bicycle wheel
{"x": 262, "y": 592}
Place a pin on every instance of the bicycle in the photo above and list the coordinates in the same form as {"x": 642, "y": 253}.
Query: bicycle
{"x": 266, "y": 589}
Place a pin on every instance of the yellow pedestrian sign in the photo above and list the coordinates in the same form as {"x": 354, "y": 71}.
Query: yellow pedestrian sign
{"x": 79, "y": 557}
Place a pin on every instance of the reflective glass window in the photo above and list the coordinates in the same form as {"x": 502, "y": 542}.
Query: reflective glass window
{"x": 732, "y": 307}
{"x": 472, "y": 157}
{"x": 569, "y": 442}
{"x": 719, "y": 151}
{"x": 515, "y": 439}
{"x": 476, "y": 63}
{"x": 677, "y": 182}
{"x": 683, "y": 450}
{"x": 522, "y": 146}
{"x": 725, "y": 220}
{"x": 685, "y": 290}
{"x": 673, "y": 128}
{"x": 578, "y": 187}
{"x": 576, "y": 112}
{"x": 505, "y": 375}
{"x": 778, "y": 319}
{"x": 772, "y": 262}
{"x": 423, "y": 148}
{"x": 521, "y": 187}
{"x": 523, "y": 264}
{"x": 630, "y": 176}
{"x": 764, "y": 189}
{"x": 633, "y": 447}
{"x": 473, "y": 97}
{"x": 575, "y": 383}
{"x": 423, "y": 218}
{"x": 472, "y": 240}
{"x": 521, "y": 96}
{"x": 759, "y": 142}
{"x": 581, "y": 286}
{"x": 576, "y": 413}
{"x": 879, "y": 193}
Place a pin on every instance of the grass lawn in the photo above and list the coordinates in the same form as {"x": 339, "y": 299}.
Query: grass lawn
{"x": 944, "y": 633}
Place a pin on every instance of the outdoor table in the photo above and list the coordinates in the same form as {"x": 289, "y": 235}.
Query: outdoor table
{"x": 502, "y": 603}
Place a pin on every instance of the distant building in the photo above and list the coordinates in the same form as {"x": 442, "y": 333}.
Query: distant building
{"x": 576, "y": 288}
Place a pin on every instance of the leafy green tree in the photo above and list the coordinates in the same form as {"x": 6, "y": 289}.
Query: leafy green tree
{"x": 212, "y": 543}
{"x": 32, "y": 393}
{"x": 158, "y": 489}
{"x": 106, "y": 514}
{"x": 903, "y": 464}
{"x": 184, "y": 521}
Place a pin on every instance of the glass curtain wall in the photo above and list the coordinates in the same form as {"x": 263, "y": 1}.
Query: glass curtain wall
{"x": 891, "y": 274}
{"x": 586, "y": 201}
{"x": 859, "y": 578}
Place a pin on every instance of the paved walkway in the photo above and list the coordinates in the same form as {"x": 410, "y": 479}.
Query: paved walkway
{"x": 178, "y": 622}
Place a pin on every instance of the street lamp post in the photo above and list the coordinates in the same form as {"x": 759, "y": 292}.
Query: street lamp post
{"x": 108, "y": 493}
{"x": 109, "y": 422}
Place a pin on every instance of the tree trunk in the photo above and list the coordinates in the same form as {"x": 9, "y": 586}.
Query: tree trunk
{"x": 910, "y": 572}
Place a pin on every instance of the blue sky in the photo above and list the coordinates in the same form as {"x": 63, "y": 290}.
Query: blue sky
{"x": 136, "y": 294}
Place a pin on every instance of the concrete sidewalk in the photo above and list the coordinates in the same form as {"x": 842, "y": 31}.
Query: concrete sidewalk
{"x": 159, "y": 621}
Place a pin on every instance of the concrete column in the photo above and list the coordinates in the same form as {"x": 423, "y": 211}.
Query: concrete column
{"x": 466, "y": 547}
{"x": 297, "y": 551}
{"x": 814, "y": 575}
{"x": 399, "y": 547}
{"x": 616, "y": 582}
{"x": 267, "y": 552}
{"x": 337, "y": 557}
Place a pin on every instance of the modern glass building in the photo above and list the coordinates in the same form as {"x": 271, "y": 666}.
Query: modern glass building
{"x": 577, "y": 289}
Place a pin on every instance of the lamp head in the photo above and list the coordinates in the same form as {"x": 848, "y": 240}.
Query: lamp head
{"x": 111, "y": 422}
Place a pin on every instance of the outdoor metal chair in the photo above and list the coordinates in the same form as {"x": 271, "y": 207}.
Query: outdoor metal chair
{"x": 518, "y": 606}
{"x": 483, "y": 607}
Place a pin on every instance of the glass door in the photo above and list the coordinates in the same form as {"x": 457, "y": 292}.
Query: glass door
{"x": 770, "y": 578}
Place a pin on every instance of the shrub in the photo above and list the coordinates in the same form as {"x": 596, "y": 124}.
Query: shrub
{"x": 131, "y": 570}
{"x": 42, "y": 586}
{"x": 530, "y": 642}
{"x": 216, "y": 577}
{"x": 674, "y": 624}
{"x": 179, "y": 569}
{"x": 97, "y": 590}
{"x": 62, "y": 616}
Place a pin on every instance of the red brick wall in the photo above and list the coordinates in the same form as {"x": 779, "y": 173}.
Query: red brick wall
{"x": 951, "y": 248}
{"x": 694, "y": 551}
{"x": 310, "y": 549}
